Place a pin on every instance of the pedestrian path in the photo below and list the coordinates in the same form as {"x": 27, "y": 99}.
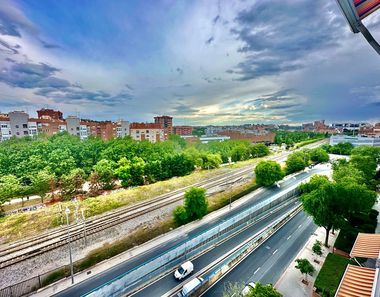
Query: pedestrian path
{"x": 290, "y": 284}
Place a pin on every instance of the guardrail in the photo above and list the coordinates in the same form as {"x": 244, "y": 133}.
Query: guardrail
{"x": 221, "y": 266}
{"x": 192, "y": 246}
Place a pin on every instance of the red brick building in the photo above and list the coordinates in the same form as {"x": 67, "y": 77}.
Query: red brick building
{"x": 166, "y": 122}
{"x": 183, "y": 130}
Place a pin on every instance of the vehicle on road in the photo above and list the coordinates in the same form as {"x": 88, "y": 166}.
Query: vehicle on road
{"x": 247, "y": 289}
{"x": 184, "y": 270}
{"x": 190, "y": 287}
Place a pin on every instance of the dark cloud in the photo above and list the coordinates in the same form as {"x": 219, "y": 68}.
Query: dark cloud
{"x": 277, "y": 35}
{"x": 30, "y": 75}
{"x": 211, "y": 39}
{"x": 216, "y": 19}
{"x": 7, "y": 48}
{"x": 181, "y": 109}
{"x": 48, "y": 45}
{"x": 179, "y": 70}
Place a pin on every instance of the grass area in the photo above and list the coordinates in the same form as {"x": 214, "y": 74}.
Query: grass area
{"x": 329, "y": 276}
{"x": 26, "y": 224}
{"x": 309, "y": 141}
{"x": 222, "y": 199}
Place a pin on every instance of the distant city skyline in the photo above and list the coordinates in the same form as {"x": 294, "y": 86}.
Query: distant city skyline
{"x": 202, "y": 62}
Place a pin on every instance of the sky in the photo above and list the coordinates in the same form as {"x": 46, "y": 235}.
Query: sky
{"x": 203, "y": 62}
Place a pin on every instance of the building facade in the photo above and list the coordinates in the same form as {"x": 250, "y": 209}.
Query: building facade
{"x": 166, "y": 123}
{"x": 183, "y": 130}
{"x": 355, "y": 140}
{"x": 152, "y": 132}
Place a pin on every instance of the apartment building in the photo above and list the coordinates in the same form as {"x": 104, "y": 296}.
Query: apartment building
{"x": 355, "y": 140}
{"x": 166, "y": 123}
{"x": 5, "y": 127}
{"x": 183, "y": 130}
{"x": 152, "y": 132}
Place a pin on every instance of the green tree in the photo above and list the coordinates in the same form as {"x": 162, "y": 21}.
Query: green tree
{"x": 259, "y": 150}
{"x": 296, "y": 162}
{"x": 41, "y": 182}
{"x": 268, "y": 172}
{"x": 341, "y": 148}
{"x": 315, "y": 182}
{"x": 105, "y": 170}
{"x": 305, "y": 267}
{"x": 180, "y": 215}
{"x": 318, "y": 155}
{"x": 347, "y": 172}
{"x": 137, "y": 171}
{"x": 323, "y": 205}
{"x": 95, "y": 184}
{"x": 123, "y": 171}
{"x": 195, "y": 203}
{"x": 261, "y": 290}
{"x": 10, "y": 187}
{"x": 61, "y": 161}
{"x": 72, "y": 183}
{"x": 211, "y": 161}
{"x": 365, "y": 164}
{"x": 317, "y": 248}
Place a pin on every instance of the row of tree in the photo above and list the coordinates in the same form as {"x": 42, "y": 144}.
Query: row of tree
{"x": 291, "y": 138}
{"x": 62, "y": 162}
{"x": 269, "y": 172}
{"x": 334, "y": 203}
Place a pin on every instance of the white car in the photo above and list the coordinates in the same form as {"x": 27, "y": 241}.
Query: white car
{"x": 247, "y": 289}
{"x": 184, "y": 270}
{"x": 190, "y": 287}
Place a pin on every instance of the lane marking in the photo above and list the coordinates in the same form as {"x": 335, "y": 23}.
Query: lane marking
{"x": 288, "y": 237}
{"x": 299, "y": 226}
{"x": 275, "y": 251}
{"x": 256, "y": 270}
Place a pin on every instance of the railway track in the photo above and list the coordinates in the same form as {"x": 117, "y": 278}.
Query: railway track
{"x": 37, "y": 245}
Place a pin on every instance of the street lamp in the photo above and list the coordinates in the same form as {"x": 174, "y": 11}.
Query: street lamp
{"x": 67, "y": 211}
{"x": 84, "y": 227}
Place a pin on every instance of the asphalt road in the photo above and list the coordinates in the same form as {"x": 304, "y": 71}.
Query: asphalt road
{"x": 101, "y": 278}
{"x": 269, "y": 261}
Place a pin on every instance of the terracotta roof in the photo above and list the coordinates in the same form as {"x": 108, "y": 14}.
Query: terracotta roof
{"x": 145, "y": 126}
{"x": 357, "y": 281}
{"x": 366, "y": 246}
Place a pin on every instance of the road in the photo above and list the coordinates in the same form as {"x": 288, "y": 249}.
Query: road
{"x": 267, "y": 263}
{"x": 97, "y": 280}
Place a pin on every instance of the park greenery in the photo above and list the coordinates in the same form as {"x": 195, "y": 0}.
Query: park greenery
{"x": 291, "y": 138}
{"x": 334, "y": 204}
{"x": 343, "y": 148}
{"x": 62, "y": 163}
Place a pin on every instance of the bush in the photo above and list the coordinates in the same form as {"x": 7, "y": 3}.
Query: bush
{"x": 317, "y": 248}
{"x": 195, "y": 203}
{"x": 180, "y": 215}
{"x": 268, "y": 172}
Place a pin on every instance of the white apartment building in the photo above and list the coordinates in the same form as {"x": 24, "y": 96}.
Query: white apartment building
{"x": 147, "y": 131}
{"x": 355, "y": 140}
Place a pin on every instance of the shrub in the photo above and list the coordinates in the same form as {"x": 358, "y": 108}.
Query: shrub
{"x": 180, "y": 215}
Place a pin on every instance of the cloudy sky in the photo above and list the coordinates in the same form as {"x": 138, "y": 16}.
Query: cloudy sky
{"x": 203, "y": 62}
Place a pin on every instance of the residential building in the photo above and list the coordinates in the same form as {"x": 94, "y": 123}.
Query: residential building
{"x": 355, "y": 140}
{"x": 207, "y": 139}
{"x": 49, "y": 113}
{"x": 73, "y": 125}
{"x": 122, "y": 128}
{"x": 183, "y": 130}
{"x": 166, "y": 122}
{"x": 152, "y": 132}
{"x": 267, "y": 137}
{"x": 19, "y": 123}
{"x": 5, "y": 127}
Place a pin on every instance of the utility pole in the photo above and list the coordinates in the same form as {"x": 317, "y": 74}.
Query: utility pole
{"x": 67, "y": 211}
{"x": 84, "y": 227}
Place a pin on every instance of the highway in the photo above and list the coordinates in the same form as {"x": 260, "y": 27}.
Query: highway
{"x": 267, "y": 263}
{"x": 97, "y": 280}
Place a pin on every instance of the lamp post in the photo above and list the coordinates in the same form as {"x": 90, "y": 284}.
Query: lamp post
{"x": 67, "y": 211}
{"x": 84, "y": 227}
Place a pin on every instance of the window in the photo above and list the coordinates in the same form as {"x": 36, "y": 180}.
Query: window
{"x": 77, "y": 128}
{"x": 147, "y": 131}
{"x": 4, "y": 126}
{"x": 25, "y": 132}
{"x": 17, "y": 126}
{"x": 25, "y": 126}
{"x": 17, "y": 133}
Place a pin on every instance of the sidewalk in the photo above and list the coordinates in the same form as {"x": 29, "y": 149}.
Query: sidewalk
{"x": 290, "y": 284}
